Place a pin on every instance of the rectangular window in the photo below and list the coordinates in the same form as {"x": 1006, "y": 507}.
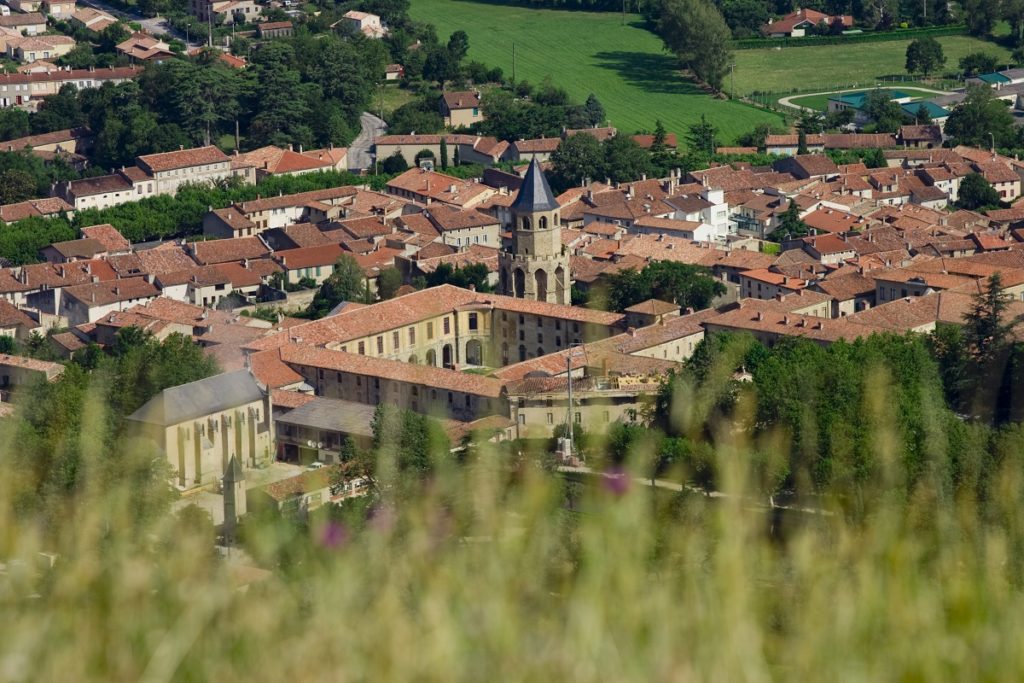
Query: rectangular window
{"x": 430, "y": 331}
{"x": 540, "y": 338}
{"x": 472, "y": 321}
{"x": 362, "y": 348}
{"x": 447, "y": 326}
{"x": 578, "y": 418}
{"x": 412, "y": 336}
{"x": 551, "y": 418}
{"x": 395, "y": 341}
{"x": 451, "y": 397}
{"x": 380, "y": 344}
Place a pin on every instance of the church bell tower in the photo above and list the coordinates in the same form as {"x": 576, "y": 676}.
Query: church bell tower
{"x": 537, "y": 265}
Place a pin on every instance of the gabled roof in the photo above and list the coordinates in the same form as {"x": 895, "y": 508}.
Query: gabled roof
{"x": 535, "y": 194}
{"x": 175, "y": 405}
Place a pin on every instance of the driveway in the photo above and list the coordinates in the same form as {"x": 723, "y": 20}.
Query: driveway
{"x": 360, "y": 152}
{"x": 153, "y": 25}
{"x": 788, "y": 101}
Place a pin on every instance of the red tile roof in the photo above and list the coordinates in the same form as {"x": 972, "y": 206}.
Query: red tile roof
{"x": 186, "y": 158}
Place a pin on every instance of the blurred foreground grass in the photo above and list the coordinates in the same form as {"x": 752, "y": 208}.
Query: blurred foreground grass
{"x": 497, "y": 569}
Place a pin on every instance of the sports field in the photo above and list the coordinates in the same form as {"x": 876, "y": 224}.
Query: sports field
{"x": 835, "y": 67}
{"x": 584, "y": 52}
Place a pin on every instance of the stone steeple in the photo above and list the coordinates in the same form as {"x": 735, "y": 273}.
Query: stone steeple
{"x": 537, "y": 265}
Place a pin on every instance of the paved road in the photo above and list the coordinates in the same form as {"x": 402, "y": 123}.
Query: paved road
{"x": 788, "y": 101}
{"x": 360, "y": 151}
{"x": 153, "y": 25}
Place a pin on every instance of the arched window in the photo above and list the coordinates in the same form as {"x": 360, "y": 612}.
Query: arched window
{"x": 525, "y": 222}
{"x": 543, "y": 223}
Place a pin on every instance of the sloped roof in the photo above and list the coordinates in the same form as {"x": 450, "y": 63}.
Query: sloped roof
{"x": 535, "y": 194}
{"x": 175, "y": 405}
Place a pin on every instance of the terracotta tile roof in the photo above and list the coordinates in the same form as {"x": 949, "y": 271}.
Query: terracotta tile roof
{"x": 859, "y": 140}
{"x": 166, "y": 258}
{"x": 11, "y": 213}
{"x": 11, "y": 316}
{"x": 186, "y": 158}
{"x": 601, "y": 134}
{"x": 65, "y": 274}
{"x": 364, "y": 228}
{"x": 105, "y": 293}
{"x": 222, "y": 251}
{"x": 440, "y": 187}
{"x": 830, "y": 220}
{"x": 419, "y": 223}
{"x": 307, "y": 482}
{"x": 425, "y": 375}
{"x": 537, "y": 146}
{"x": 475, "y": 253}
{"x": 80, "y": 248}
{"x": 275, "y": 160}
{"x": 845, "y": 287}
{"x": 647, "y": 141}
{"x": 434, "y": 250}
{"x": 308, "y": 257}
{"x": 282, "y": 398}
{"x": 51, "y": 370}
{"x": 103, "y": 184}
{"x": 113, "y": 73}
{"x": 107, "y": 235}
{"x": 653, "y": 307}
{"x": 461, "y": 100}
{"x": 447, "y": 219}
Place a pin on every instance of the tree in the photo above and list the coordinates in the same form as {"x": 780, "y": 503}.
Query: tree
{"x": 1017, "y": 56}
{"x": 702, "y": 136}
{"x": 981, "y": 120}
{"x": 388, "y": 282}
{"x": 887, "y": 114}
{"x": 790, "y": 226}
{"x": 977, "y": 193}
{"x": 593, "y": 110}
{"x": 988, "y": 330}
{"x": 346, "y": 283}
{"x": 696, "y": 33}
{"x": 395, "y": 163}
{"x": 978, "y": 63}
{"x": 439, "y": 66}
{"x": 16, "y": 186}
{"x": 685, "y": 284}
{"x": 577, "y": 158}
{"x": 924, "y": 55}
{"x": 921, "y": 116}
{"x": 624, "y": 159}
{"x": 981, "y": 16}
{"x": 444, "y": 154}
{"x": 458, "y": 46}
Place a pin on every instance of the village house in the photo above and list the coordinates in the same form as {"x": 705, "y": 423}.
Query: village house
{"x": 255, "y": 216}
{"x": 296, "y": 497}
{"x": 427, "y": 187}
{"x": 21, "y": 89}
{"x": 363, "y": 22}
{"x": 92, "y": 19}
{"x": 796, "y": 24}
{"x": 61, "y": 10}
{"x": 30, "y": 24}
{"x": 32, "y": 48}
{"x": 88, "y": 303}
{"x": 17, "y": 371}
{"x": 272, "y": 160}
{"x": 460, "y": 109}
{"x": 226, "y": 11}
{"x": 143, "y": 47}
{"x": 202, "y": 425}
{"x": 274, "y": 29}
{"x": 153, "y": 174}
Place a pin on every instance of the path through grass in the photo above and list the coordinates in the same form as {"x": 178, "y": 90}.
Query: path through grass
{"x": 835, "y": 67}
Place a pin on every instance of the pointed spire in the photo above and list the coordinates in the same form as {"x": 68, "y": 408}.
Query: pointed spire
{"x": 234, "y": 471}
{"x": 535, "y": 194}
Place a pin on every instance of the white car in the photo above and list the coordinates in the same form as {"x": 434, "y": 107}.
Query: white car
{"x": 315, "y": 465}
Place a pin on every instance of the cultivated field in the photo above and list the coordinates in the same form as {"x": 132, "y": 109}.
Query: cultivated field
{"x": 584, "y": 52}
{"x": 835, "y": 67}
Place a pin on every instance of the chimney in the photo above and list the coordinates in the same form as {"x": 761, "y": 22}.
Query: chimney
{"x": 631, "y": 331}
{"x": 759, "y": 317}
{"x": 785, "y": 320}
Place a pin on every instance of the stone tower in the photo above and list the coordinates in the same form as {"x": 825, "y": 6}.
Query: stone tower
{"x": 234, "y": 496}
{"x": 537, "y": 265}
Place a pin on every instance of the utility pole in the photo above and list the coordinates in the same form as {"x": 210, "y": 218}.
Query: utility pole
{"x": 732, "y": 78}
{"x": 513, "y": 64}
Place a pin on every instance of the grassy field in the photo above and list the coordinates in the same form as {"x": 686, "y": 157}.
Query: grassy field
{"x": 833, "y": 67}
{"x": 584, "y": 52}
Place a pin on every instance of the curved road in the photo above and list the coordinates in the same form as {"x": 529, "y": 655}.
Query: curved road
{"x": 788, "y": 101}
{"x": 360, "y": 155}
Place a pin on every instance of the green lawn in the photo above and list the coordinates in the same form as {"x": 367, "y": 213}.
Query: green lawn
{"x": 584, "y": 52}
{"x": 835, "y": 67}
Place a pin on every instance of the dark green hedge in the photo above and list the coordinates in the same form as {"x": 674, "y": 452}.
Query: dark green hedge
{"x": 867, "y": 37}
